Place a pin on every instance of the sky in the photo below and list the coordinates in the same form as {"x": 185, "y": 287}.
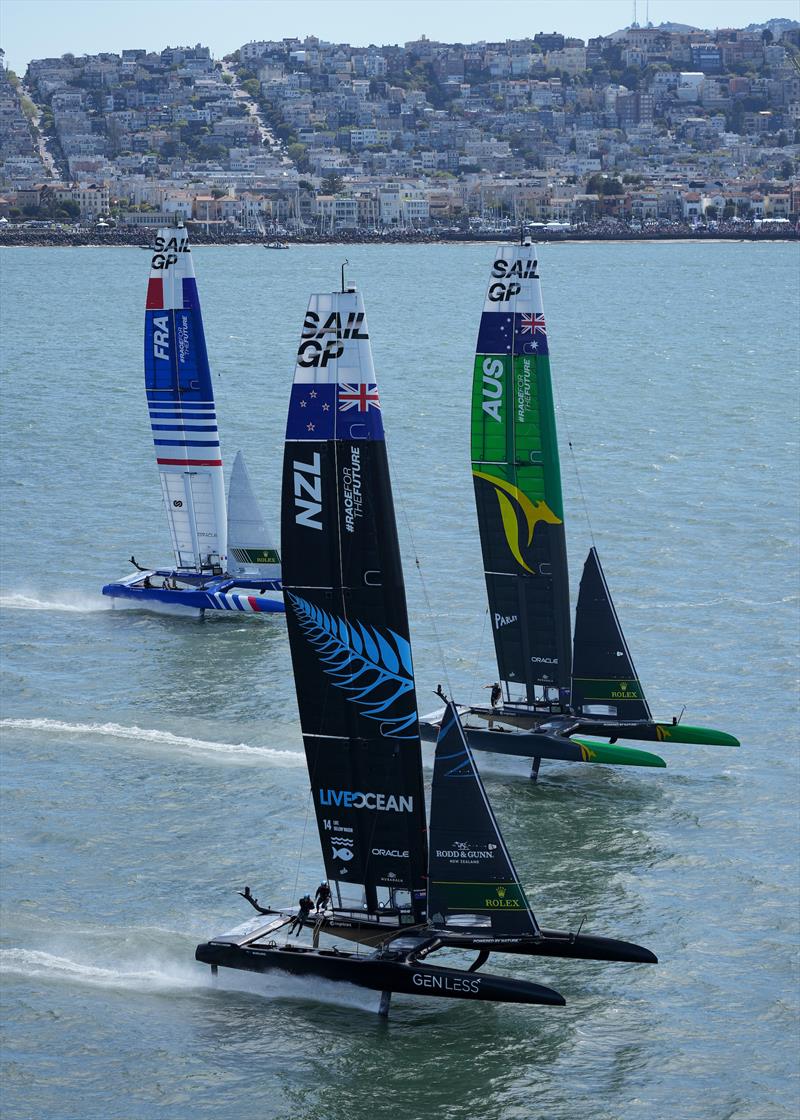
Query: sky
{"x": 45, "y": 28}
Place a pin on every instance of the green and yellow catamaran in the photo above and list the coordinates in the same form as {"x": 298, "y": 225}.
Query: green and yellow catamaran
{"x": 553, "y": 689}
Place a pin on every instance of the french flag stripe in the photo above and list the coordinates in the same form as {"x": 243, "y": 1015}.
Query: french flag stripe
{"x": 186, "y": 443}
{"x": 253, "y": 601}
{"x": 155, "y": 294}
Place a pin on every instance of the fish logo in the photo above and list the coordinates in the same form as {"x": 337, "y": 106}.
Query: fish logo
{"x": 533, "y": 512}
{"x": 342, "y": 853}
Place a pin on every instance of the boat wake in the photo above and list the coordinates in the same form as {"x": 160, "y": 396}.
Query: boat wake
{"x": 150, "y": 977}
{"x": 76, "y": 602}
{"x": 149, "y": 735}
{"x": 306, "y": 989}
{"x": 153, "y": 976}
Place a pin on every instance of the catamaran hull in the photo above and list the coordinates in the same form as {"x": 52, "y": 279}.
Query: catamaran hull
{"x": 218, "y": 596}
{"x": 378, "y": 974}
{"x": 531, "y": 744}
{"x": 647, "y": 731}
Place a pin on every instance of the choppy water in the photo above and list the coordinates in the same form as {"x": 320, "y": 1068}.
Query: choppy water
{"x": 151, "y": 766}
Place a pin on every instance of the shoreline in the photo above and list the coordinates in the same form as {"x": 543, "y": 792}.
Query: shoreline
{"x": 130, "y": 238}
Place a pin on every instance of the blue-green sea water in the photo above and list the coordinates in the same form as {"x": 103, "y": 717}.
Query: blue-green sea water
{"x": 151, "y": 766}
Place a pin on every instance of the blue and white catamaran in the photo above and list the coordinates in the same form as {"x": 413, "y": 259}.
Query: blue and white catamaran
{"x": 225, "y": 558}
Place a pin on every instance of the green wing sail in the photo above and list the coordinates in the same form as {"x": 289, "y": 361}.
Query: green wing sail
{"x": 517, "y": 480}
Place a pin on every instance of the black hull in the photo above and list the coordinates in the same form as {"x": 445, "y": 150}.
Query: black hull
{"x": 378, "y": 974}
{"x": 579, "y": 947}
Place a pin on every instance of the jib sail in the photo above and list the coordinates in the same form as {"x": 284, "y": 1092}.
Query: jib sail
{"x": 181, "y": 403}
{"x": 604, "y": 679}
{"x": 517, "y": 479}
{"x": 472, "y": 877}
{"x": 346, "y": 614}
{"x": 250, "y": 544}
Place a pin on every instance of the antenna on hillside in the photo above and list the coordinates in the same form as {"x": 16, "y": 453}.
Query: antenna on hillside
{"x": 634, "y": 24}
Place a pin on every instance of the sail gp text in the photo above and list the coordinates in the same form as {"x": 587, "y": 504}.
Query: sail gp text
{"x": 167, "y": 251}
{"x": 352, "y": 497}
{"x": 322, "y": 342}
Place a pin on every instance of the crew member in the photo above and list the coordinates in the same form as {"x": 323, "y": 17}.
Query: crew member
{"x": 322, "y": 897}
{"x": 306, "y": 906}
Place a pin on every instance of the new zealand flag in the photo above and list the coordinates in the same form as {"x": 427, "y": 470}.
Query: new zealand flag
{"x": 331, "y": 411}
{"x": 312, "y": 412}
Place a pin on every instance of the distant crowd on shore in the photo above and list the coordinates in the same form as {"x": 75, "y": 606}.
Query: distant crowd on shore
{"x": 605, "y": 231}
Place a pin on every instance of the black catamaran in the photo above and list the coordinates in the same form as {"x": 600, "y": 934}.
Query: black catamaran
{"x": 349, "y": 637}
{"x": 553, "y": 690}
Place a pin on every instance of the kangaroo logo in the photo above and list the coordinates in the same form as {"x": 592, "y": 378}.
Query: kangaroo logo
{"x": 587, "y": 754}
{"x": 533, "y": 513}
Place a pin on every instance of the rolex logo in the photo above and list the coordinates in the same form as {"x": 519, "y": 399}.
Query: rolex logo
{"x": 623, "y": 686}
{"x": 501, "y": 892}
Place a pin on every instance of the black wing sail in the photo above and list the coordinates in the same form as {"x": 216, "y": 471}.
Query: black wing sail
{"x": 472, "y": 878}
{"x": 604, "y": 679}
{"x": 346, "y": 615}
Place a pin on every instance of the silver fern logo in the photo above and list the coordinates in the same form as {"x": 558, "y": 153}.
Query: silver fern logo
{"x": 374, "y": 668}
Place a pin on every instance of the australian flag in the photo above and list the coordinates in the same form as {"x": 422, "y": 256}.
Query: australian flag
{"x": 496, "y": 333}
{"x": 530, "y": 333}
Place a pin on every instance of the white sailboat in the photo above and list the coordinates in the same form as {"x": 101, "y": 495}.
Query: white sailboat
{"x": 183, "y": 419}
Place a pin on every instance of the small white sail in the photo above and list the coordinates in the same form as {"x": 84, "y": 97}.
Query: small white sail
{"x": 251, "y": 548}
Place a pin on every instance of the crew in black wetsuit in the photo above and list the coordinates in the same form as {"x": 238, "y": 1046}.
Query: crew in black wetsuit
{"x": 322, "y": 897}
{"x": 495, "y": 695}
{"x": 306, "y": 906}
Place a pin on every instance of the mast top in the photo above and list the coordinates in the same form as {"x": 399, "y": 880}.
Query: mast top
{"x": 347, "y": 285}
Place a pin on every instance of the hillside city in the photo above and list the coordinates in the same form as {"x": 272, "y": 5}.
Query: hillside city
{"x": 646, "y": 129}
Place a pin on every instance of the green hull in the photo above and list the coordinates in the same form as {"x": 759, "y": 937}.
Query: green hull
{"x": 536, "y": 745}
{"x": 681, "y": 733}
{"x": 661, "y": 733}
{"x": 617, "y": 756}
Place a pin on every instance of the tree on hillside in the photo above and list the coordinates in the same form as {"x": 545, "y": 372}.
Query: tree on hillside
{"x": 331, "y": 183}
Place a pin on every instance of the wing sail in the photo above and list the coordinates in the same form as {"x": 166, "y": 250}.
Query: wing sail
{"x": 517, "y": 478}
{"x": 181, "y": 403}
{"x": 346, "y": 615}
